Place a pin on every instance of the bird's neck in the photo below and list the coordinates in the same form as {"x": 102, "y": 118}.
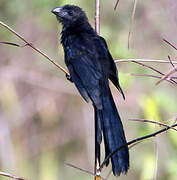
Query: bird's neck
{"x": 75, "y": 29}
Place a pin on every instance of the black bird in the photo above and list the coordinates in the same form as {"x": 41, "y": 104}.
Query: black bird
{"x": 91, "y": 66}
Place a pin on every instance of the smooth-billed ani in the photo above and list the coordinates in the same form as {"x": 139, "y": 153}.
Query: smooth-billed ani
{"x": 91, "y": 66}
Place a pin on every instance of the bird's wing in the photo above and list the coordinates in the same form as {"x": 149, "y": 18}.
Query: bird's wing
{"x": 106, "y": 55}
{"x": 86, "y": 73}
{"x": 78, "y": 83}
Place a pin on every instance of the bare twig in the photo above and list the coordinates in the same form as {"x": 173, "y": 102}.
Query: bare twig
{"x": 134, "y": 141}
{"x": 83, "y": 170}
{"x": 97, "y": 16}
{"x": 150, "y": 67}
{"x": 80, "y": 169}
{"x": 131, "y": 22}
{"x": 10, "y": 43}
{"x": 144, "y": 60}
{"x": 14, "y": 44}
{"x": 11, "y": 176}
{"x": 32, "y": 46}
{"x": 133, "y": 145}
{"x": 146, "y": 75}
{"x": 170, "y": 44}
{"x": 157, "y": 77}
{"x": 166, "y": 76}
{"x": 153, "y": 122}
{"x": 173, "y": 77}
{"x": 171, "y": 62}
{"x": 115, "y": 7}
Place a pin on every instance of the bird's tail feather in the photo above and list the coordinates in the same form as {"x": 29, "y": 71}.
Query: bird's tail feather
{"x": 109, "y": 122}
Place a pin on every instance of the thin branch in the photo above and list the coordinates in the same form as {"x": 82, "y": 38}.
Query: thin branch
{"x": 32, "y": 46}
{"x": 171, "y": 62}
{"x": 11, "y": 176}
{"x": 152, "y": 68}
{"x": 14, "y": 44}
{"x": 97, "y": 16}
{"x": 83, "y": 170}
{"x": 134, "y": 141}
{"x": 115, "y": 7}
{"x": 10, "y": 43}
{"x": 146, "y": 75}
{"x": 157, "y": 77}
{"x": 131, "y": 22}
{"x": 153, "y": 122}
{"x": 166, "y": 76}
{"x": 170, "y": 44}
{"x": 134, "y": 144}
{"x": 144, "y": 60}
{"x": 80, "y": 169}
{"x": 173, "y": 77}
{"x": 147, "y": 66}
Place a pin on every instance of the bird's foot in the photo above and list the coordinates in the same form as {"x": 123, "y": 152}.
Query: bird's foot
{"x": 68, "y": 77}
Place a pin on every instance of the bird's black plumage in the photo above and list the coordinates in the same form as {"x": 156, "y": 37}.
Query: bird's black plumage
{"x": 91, "y": 66}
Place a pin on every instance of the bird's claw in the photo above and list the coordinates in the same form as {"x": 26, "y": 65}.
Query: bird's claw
{"x": 68, "y": 77}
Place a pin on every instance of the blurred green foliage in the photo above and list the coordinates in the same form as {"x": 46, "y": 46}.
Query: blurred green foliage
{"x": 44, "y": 123}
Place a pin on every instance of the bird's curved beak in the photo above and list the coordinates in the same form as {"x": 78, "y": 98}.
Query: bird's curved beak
{"x": 57, "y": 10}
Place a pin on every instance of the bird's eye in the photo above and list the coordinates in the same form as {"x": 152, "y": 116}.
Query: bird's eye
{"x": 70, "y": 13}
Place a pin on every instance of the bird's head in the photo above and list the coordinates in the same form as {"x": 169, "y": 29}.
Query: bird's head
{"x": 70, "y": 14}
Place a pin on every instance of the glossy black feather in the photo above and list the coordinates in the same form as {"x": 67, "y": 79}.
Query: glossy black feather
{"x": 91, "y": 66}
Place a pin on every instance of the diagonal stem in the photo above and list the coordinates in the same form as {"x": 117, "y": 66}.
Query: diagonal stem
{"x": 134, "y": 141}
{"x": 153, "y": 122}
{"x": 11, "y": 176}
{"x": 115, "y": 7}
{"x": 170, "y": 44}
{"x": 131, "y": 22}
{"x": 166, "y": 76}
{"x": 144, "y": 60}
{"x": 33, "y": 47}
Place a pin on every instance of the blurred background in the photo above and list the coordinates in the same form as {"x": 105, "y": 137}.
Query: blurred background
{"x": 44, "y": 123}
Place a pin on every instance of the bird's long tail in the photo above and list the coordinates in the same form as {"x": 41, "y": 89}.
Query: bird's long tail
{"x": 108, "y": 121}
